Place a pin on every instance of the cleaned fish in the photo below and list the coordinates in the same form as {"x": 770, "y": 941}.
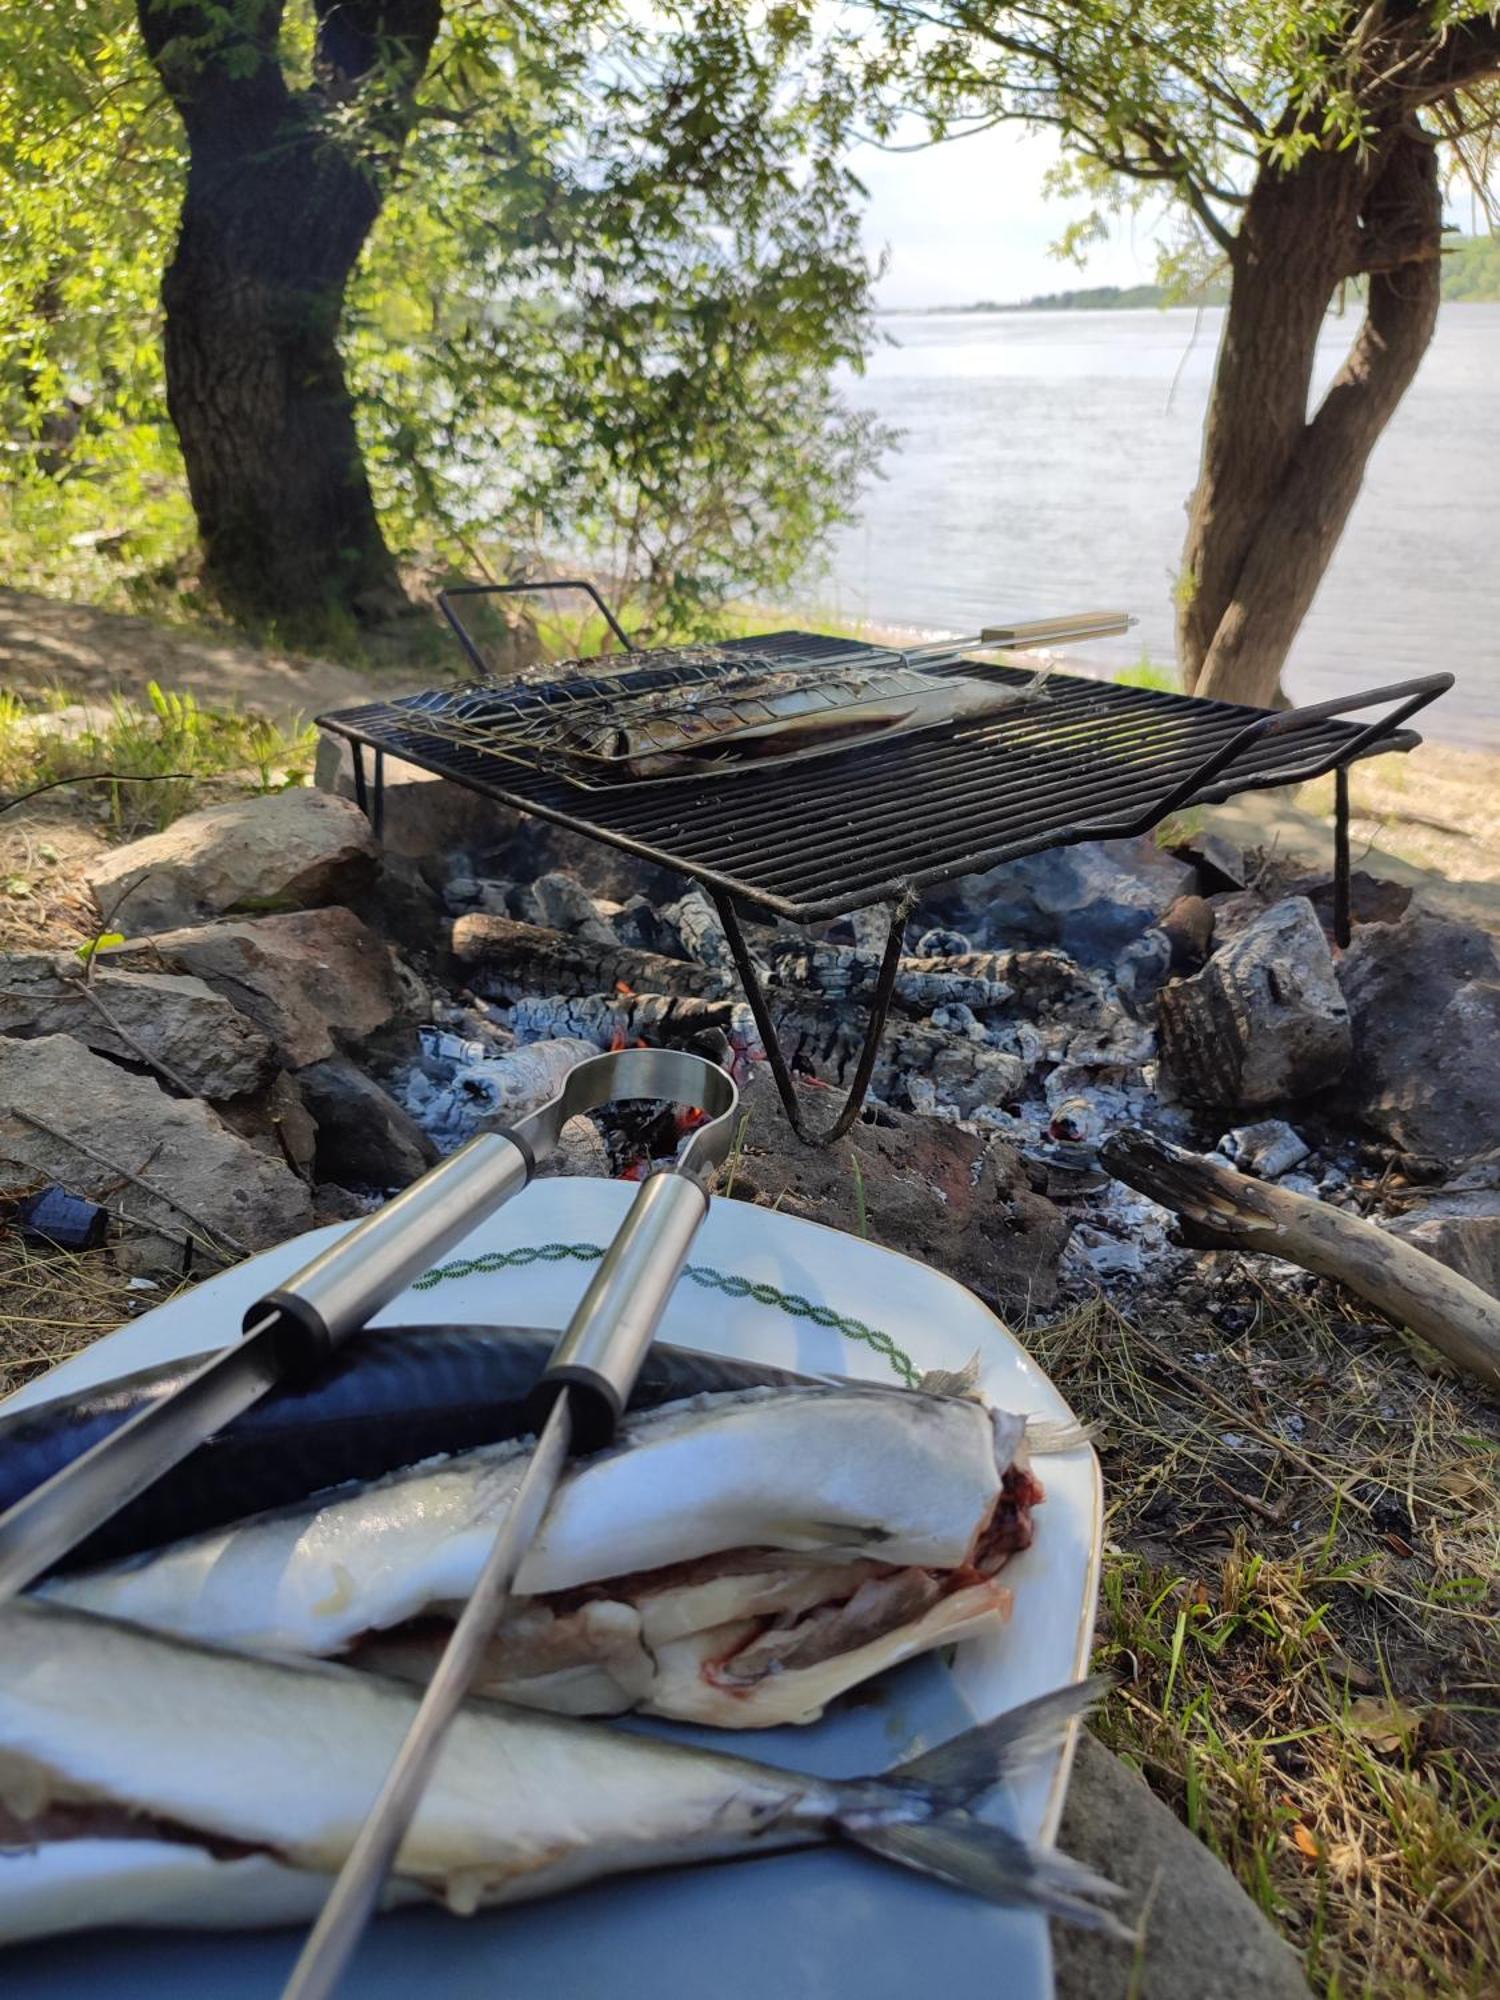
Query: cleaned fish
{"x": 763, "y": 713}
{"x": 737, "y": 1559}
{"x": 148, "y": 1780}
{"x": 390, "y": 1398}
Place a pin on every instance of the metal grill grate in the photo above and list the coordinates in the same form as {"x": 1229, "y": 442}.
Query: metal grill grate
{"x": 817, "y": 838}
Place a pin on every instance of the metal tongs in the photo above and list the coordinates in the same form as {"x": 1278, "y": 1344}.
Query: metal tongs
{"x": 293, "y": 1330}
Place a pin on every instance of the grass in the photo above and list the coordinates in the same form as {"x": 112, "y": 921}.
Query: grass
{"x": 1148, "y": 673}
{"x": 54, "y": 1303}
{"x": 169, "y": 757}
{"x": 191, "y": 754}
{"x": 1298, "y": 1606}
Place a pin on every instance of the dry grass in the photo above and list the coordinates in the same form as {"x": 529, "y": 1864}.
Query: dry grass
{"x": 55, "y": 1302}
{"x": 1303, "y": 1534}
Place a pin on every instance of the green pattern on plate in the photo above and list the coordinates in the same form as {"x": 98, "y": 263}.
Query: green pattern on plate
{"x": 728, "y": 1283}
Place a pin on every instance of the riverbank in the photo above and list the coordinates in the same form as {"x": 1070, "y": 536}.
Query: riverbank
{"x": 1432, "y": 817}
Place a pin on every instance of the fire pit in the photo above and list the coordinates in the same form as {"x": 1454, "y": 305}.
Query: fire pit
{"x": 880, "y": 819}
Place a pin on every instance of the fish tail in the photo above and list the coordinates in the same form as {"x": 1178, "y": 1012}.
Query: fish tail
{"x": 920, "y": 1815}
{"x": 1045, "y": 1436}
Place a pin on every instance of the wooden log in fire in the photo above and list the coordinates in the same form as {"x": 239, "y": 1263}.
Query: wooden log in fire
{"x": 1227, "y": 1210}
{"x": 502, "y": 958}
{"x": 844, "y": 972}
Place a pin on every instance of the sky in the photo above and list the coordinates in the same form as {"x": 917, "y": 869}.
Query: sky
{"x": 968, "y": 220}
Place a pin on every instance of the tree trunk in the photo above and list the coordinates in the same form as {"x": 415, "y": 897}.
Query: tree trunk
{"x": 1275, "y": 489}
{"x": 280, "y": 200}
{"x": 255, "y": 384}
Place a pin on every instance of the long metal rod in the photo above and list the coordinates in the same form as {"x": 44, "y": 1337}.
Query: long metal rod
{"x": 333, "y": 1938}
{"x": 42, "y": 1526}
{"x": 1341, "y": 928}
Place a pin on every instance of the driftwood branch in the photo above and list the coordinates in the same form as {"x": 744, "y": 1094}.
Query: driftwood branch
{"x": 1229, "y": 1210}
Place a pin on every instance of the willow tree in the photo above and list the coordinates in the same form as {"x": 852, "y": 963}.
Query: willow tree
{"x": 1304, "y": 145}
{"x": 487, "y": 281}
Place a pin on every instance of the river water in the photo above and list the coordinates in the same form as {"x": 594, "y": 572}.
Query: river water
{"x": 1045, "y": 463}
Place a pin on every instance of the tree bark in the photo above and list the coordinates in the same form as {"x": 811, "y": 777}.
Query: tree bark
{"x": 1276, "y": 488}
{"x": 278, "y": 205}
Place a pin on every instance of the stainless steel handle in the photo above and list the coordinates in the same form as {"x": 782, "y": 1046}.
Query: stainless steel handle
{"x": 1065, "y": 630}
{"x": 600, "y": 1354}
{"x": 335, "y": 1294}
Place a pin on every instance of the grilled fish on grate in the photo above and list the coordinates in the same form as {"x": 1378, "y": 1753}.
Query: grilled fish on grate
{"x": 683, "y": 711}
{"x": 765, "y": 713}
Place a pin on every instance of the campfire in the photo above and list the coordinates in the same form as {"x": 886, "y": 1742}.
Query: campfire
{"x": 1136, "y": 1093}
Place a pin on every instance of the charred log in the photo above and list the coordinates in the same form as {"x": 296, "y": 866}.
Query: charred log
{"x": 503, "y": 959}
{"x": 971, "y": 979}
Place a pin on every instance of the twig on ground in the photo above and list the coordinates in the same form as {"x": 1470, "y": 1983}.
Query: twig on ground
{"x": 162, "y": 1069}
{"x": 212, "y": 1229}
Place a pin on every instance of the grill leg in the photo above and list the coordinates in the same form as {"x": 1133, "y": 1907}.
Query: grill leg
{"x": 1341, "y": 855}
{"x": 880, "y": 1008}
{"x": 361, "y": 787}
{"x": 377, "y": 815}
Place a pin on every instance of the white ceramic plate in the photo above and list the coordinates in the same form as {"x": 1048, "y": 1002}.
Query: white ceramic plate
{"x": 807, "y": 1926}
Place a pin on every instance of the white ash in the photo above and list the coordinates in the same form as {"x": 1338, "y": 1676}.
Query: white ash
{"x": 602, "y": 1018}
{"x": 485, "y": 1093}
{"x": 1267, "y": 1149}
{"x": 561, "y": 903}
{"x": 698, "y": 925}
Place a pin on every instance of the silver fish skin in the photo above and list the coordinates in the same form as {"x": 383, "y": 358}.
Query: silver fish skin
{"x": 144, "y": 1779}
{"x": 830, "y": 1476}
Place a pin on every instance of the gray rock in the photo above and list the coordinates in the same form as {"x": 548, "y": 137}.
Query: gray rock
{"x": 1461, "y": 1228}
{"x": 1234, "y": 912}
{"x": 1263, "y": 1021}
{"x": 562, "y": 903}
{"x": 177, "y": 1019}
{"x": 1093, "y": 899}
{"x": 313, "y": 981}
{"x": 277, "y": 1122}
{"x": 365, "y": 1139}
{"x": 285, "y": 850}
{"x": 1424, "y": 999}
{"x": 178, "y": 1145}
{"x": 421, "y": 814}
{"x": 1204, "y": 1938}
{"x": 1216, "y": 855}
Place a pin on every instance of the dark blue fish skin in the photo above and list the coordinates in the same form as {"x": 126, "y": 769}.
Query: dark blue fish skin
{"x": 391, "y": 1397}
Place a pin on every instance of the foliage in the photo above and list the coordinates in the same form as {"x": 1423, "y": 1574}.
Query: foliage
{"x": 165, "y": 759}
{"x": 1471, "y": 270}
{"x": 1187, "y": 99}
{"x": 90, "y": 178}
{"x": 1310, "y": 1691}
{"x": 630, "y": 330}
{"x": 601, "y": 316}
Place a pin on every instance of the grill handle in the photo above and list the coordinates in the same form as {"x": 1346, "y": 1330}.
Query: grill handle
{"x": 466, "y": 638}
{"x": 1408, "y": 697}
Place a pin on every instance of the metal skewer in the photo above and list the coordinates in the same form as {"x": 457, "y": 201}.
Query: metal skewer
{"x": 290, "y": 1333}
{"x": 579, "y": 1400}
